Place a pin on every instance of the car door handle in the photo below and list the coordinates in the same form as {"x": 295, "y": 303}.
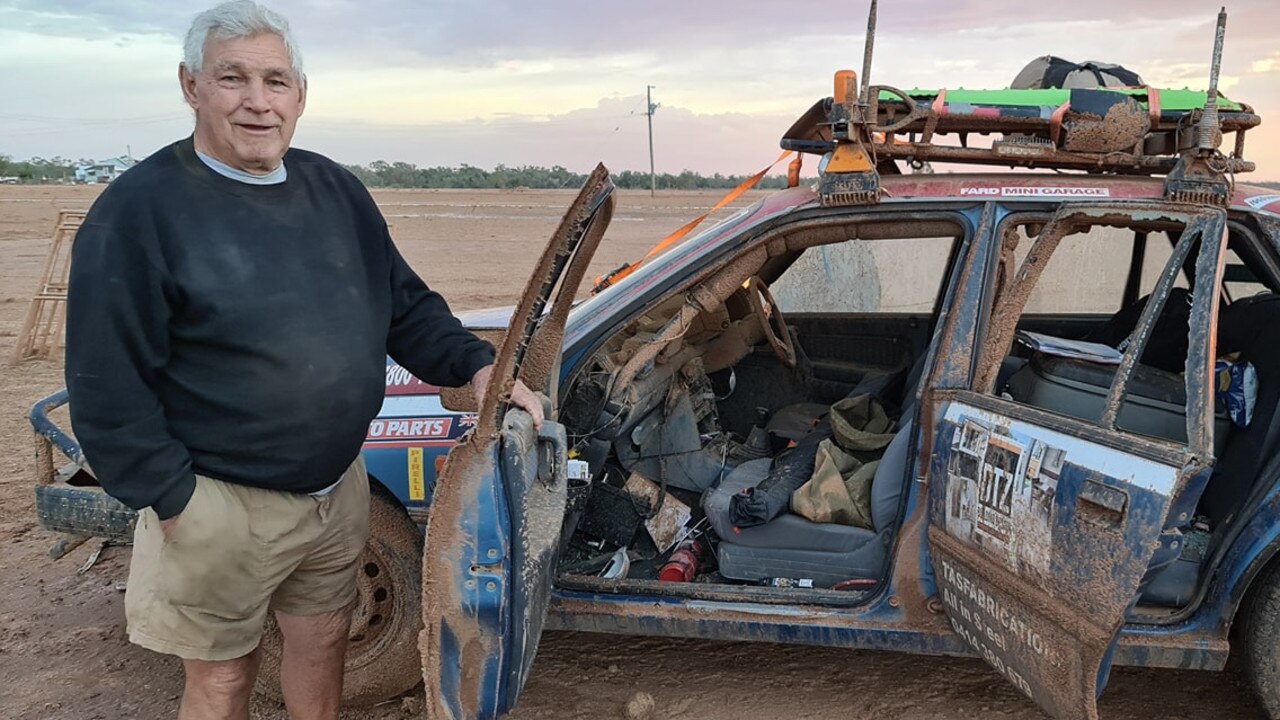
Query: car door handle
{"x": 553, "y": 445}
{"x": 1102, "y": 504}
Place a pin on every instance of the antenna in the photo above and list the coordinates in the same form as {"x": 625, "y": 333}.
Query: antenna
{"x": 1200, "y": 175}
{"x": 1207, "y": 133}
{"x": 848, "y": 174}
{"x": 863, "y": 100}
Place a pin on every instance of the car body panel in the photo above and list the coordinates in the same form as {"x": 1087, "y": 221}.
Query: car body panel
{"x": 1043, "y": 528}
{"x": 1021, "y": 571}
{"x": 494, "y": 525}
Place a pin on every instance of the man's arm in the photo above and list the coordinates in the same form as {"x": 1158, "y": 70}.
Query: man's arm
{"x": 426, "y": 338}
{"x": 117, "y": 341}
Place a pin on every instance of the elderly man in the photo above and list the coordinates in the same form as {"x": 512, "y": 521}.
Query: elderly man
{"x": 231, "y": 304}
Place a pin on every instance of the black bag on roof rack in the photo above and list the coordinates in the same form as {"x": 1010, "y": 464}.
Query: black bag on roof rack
{"x": 1049, "y": 71}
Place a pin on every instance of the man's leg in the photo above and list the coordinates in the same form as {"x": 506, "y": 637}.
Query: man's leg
{"x": 219, "y": 690}
{"x": 314, "y": 604}
{"x": 202, "y": 591}
{"x": 311, "y": 668}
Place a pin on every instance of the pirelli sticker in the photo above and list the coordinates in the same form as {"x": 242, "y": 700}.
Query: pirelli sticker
{"x": 417, "y": 478}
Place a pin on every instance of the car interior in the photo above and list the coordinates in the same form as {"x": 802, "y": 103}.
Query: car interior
{"x": 711, "y": 392}
{"x": 817, "y": 315}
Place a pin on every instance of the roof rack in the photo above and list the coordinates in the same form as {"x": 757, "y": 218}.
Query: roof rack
{"x": 1142, "y": 130}
{"x": 1125, "y": 130}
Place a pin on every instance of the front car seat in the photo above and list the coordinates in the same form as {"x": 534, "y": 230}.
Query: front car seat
{"x": 790, "y": 546}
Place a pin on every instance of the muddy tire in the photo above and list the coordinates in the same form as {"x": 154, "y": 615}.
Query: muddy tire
{"x": 382, "y": 654}
{"x": 1262, "y": 641}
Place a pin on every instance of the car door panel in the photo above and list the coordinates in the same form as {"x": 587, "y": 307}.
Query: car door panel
{"x": 1044, "y": 528}
{"x": 1042, "y": 540}
{"x": 499, "y": 503}
{"x": 539, "y": 502}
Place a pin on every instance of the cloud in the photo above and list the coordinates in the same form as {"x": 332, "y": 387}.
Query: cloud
{"x": 467, "y": 34}
{"x": 562, "y": 81}
{"x": 1267, "y": 64}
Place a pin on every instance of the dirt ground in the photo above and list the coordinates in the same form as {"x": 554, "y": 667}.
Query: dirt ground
{"x": 63, "y": 652}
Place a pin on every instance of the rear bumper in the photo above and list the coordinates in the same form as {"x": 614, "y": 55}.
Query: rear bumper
{"x": 67, "y": 497}
{"x": 84, "y": 511}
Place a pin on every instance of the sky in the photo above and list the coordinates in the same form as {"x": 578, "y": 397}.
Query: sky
{"x": 562, "y": 82}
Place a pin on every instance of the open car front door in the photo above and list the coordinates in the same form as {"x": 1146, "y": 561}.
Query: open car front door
{"x": 1044, "y": 528}
{"x": 500, "y": 499}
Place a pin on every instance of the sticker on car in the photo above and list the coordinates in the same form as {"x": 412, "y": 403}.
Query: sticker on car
{"x": 1257, "y": 202}
{"x": 1032, "y": 191}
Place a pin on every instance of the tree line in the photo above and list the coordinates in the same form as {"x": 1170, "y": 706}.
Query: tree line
{"x": 382, "y": 174}
{"x": 40, "y": 170}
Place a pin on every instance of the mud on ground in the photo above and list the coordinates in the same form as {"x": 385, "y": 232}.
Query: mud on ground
{"x": 63, "y": 652}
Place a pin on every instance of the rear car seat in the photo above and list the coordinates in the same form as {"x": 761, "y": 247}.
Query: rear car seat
{"x": 1156, "y": 404}
{"x": 790, "y": 546}
{"x": 1251, "y": 327}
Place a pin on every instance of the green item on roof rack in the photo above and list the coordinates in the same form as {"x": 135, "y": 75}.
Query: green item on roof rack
{"x": 1170, "y": 100}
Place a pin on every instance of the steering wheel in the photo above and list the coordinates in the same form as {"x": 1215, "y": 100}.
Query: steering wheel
{"x": 775, "y": 328}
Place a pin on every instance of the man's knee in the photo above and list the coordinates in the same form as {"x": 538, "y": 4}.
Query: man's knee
{"x": 228, "y": 678}
{"x": 315, "y": 633}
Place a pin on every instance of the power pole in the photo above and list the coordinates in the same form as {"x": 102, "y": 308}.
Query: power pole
{"x": 650, "y": 107}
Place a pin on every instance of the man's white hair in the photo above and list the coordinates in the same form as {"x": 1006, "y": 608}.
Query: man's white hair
{"x": 237, "y": 19}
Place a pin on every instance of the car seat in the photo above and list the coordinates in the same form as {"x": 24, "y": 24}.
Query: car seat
{"x": 1251, "y": 327}
{"x": 790, "y": 546}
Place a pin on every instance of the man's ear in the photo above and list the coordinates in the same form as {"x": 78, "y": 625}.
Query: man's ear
{"x": 302, "y": 95}
{"x": 188, "y": 83}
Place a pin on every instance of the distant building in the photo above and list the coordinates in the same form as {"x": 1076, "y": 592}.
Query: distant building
{"x": 104, "y": 171}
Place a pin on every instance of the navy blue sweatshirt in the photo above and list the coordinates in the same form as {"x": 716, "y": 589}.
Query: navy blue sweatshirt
{"x": 240, "y": 331}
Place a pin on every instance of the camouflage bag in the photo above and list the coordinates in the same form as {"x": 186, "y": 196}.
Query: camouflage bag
{"x": 839, "y": 490}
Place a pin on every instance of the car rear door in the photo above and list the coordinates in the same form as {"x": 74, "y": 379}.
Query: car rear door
{"x": 499, "y": 502}
{"x": 1043, "y": 527}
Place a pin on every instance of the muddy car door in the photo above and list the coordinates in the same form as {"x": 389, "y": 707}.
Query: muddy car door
{"x": 499, "y": 504}
{"x": 1054, "y": 493}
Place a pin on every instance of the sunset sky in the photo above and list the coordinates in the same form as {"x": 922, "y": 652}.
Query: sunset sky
{"x": 562, "y": 82}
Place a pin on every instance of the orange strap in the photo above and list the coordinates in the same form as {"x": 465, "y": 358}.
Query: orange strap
{"x": 793, "y": 171}
{"x": 939, "y": 105}
{"x": 1153, "y": 106}
{"x": 605, "y": 281}
{"x": 1055, "y": 121}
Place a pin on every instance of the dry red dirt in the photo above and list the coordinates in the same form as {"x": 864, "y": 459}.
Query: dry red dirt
{"x": 63, "y": 652}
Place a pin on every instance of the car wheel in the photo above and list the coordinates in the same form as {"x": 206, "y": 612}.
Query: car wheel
{"x": 382, "y": 653}
{"x": 1262, "y": 641}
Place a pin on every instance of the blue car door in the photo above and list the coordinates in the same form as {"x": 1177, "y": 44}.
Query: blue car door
{"x": 499, "y": 502}
{"x": 1044, "y": 525}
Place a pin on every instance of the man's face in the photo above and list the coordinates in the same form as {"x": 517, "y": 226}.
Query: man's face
{"x": 247, "y": 101}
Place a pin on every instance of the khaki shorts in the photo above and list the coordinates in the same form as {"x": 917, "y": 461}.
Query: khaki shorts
{"x": 237, "y": 551}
